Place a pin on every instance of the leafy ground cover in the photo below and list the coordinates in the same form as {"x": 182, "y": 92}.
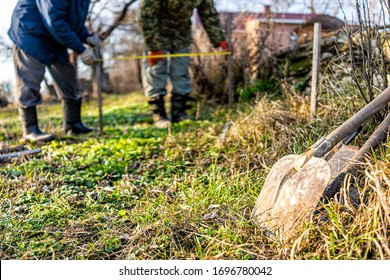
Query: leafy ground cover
{"x": 138, "y": 192}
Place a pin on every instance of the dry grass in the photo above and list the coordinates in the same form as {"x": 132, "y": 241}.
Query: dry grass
{"x": 276, "y": 128}
{"x": 142, "y": 193}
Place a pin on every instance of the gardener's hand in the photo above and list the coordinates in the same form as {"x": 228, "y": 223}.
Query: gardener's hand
{"x": 88, "y": 57}
{"x": 93, "y": 41}
{"x": 225, "y": 46}
{"x": 154, "y": 60}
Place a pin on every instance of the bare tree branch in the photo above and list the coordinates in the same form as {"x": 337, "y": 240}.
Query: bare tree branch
{"x": 117, "y": 22}
{"x": 5, "y": 49}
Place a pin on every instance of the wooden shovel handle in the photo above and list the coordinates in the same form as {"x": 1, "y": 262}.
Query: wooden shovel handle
{"x": 377, "y": 137}
{"x": 353, "y": 123}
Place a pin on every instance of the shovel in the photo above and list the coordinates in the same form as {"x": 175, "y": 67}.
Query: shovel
{"x": 296, "y": 183}
{"x": 377, "y": 137}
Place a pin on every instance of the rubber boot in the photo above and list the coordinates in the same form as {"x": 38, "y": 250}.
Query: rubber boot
{"x": 159, "y": 114}
{"x": 31, "y": 131}
{"x": 179, "y": 107}
{"x": 72, "y": 118}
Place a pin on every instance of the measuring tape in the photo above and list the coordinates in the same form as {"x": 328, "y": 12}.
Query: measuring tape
{"x": 165, "y": 56}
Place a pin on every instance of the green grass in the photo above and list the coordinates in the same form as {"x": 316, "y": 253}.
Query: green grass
{"x": 138, "y": 192}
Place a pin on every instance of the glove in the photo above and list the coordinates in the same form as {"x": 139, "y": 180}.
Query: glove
{"x": 88, "y": 57}
{"x": 153, "y": 60}
{"x": 225, "y": 45}
{"x": 93, "y": 40}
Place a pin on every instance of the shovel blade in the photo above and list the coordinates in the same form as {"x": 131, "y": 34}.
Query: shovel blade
{"x": 338, "y": 160}
{"x": 289, "y": 196}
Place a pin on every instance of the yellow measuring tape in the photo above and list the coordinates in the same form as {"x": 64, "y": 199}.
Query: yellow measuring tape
{"x": 165, "y": 56}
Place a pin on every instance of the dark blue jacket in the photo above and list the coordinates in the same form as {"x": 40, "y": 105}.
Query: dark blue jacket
{"x": 45, "y": 29}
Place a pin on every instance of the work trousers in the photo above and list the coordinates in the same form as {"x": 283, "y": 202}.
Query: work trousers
{"x": 155, "y": 78}
{"x": 30, "y": 74}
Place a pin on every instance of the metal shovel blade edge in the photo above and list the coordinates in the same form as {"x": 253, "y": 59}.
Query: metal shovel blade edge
{"x": 288, "y": 196}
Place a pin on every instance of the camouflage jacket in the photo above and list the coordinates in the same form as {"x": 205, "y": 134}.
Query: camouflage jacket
{"x": 166, "y": 24}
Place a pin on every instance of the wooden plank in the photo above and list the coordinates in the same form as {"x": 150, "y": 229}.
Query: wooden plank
{"x": 315, "y": 68}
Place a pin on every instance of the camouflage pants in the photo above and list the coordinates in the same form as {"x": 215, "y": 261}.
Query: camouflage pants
{"x": 30, "y": 73}
{"x": 155, "y": 78}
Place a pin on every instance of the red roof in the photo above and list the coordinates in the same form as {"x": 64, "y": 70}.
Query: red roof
{"x": 239, "y": 19}
{"x": 287, "y": 16}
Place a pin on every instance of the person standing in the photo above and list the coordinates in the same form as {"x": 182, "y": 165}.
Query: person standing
{"x": 166, "y": 28}
{"x": 42, "y": 32}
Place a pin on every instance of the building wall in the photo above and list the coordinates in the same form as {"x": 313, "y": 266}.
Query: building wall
{"x": 272, "y": 37}
{"x": 265, "y": 40}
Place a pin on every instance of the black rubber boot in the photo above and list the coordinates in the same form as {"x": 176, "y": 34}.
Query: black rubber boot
{"x": 72, "y": 118}
{"x": 31, "y": 131}
{"x": 179, "y": 107}
{"x": 159, "y": 114}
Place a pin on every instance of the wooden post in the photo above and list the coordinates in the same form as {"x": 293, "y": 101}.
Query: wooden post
{"x": 99, "y": 95}
{"x": 315, "y": 68}
{"x": 19, "y": 154}
{"x": 98, "y": 71}
{"x": 230, "y": 61}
